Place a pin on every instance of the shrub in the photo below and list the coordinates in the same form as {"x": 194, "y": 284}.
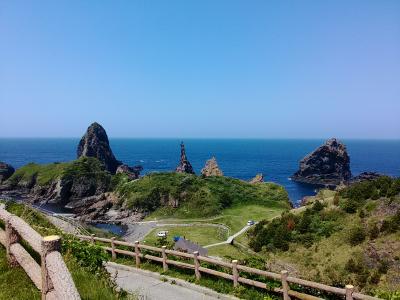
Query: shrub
{"x": 375, "y": 277}
{"x": 373, "y": 231}
{"x": 356, "y": 235}
{"x": 87, "y": 254}
{"x": 349, "y": 205}
{"x": 336, "y": 199}
{"x": 317, "y": 206}
{"x": 383, "y": 266}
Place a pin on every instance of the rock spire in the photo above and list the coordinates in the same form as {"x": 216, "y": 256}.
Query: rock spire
{"x": 184, "y": 165}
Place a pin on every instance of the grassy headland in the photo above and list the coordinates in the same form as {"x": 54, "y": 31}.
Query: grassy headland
{"x": 345, "y": 237}
{"x": 185, "y": 196}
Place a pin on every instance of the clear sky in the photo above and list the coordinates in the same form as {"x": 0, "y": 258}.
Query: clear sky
{"x": 216, "y": 68}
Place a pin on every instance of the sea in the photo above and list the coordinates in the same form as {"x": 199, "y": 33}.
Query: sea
{"x": 276, "y": 159}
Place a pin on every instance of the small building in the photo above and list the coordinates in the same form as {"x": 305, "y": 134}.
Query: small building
{"x": 187, "y": 246}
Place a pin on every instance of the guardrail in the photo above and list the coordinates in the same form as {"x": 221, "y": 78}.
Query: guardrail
{"x": 52, "y": 277}
{"x": 348, "y": 292}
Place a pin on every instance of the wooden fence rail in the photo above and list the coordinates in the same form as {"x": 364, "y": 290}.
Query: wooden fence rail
{"x": 52, "y": 277}
{"x": 235, "y": 269}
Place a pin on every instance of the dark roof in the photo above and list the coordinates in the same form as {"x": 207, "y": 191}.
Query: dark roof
{"x": 190, "y": 247}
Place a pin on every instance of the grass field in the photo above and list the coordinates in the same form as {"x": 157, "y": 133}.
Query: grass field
{"x": 235, "y": 218}
{"x": 203, "y": 235}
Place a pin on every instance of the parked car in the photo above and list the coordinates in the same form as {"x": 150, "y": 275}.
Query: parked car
{"x": 250, "y": 222}
{"x": 163, "y": 233}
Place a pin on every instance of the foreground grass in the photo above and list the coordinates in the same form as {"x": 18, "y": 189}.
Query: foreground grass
{"x": 228, "y": 252}
{"x": 218, "y": 284}
{"x": 14, "y": 283}
{"x": 90, "y": 284}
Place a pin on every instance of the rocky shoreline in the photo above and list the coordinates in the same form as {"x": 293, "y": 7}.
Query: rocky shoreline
{"x": 85, "y": 186}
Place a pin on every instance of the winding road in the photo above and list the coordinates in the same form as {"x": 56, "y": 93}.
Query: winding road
{"x": 230, "y": 238}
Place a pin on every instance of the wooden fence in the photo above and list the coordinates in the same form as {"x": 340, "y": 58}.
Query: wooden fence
{"x": 52, "y": 277}
{"x": 234, "y": 274}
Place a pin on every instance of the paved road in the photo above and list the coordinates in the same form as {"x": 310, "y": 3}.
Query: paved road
{"x": 137, "y": 231}
{"x": 147, "y": 287}
{"x": 230, "y": 238}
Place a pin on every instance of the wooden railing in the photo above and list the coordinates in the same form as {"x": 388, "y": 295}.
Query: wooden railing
{"x": 52, "y": 277}
{"x": 234, "y": 274}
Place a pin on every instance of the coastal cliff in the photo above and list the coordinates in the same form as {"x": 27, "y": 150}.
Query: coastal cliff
{"x": 6, "y": 171}
{"x": 327, "y": 165}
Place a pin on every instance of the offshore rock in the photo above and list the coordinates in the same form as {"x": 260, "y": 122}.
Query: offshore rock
{"x": 327, "y": 165}
{"x": 6, "y": 171}
{"x": 211, "y": 168}
{"x": 95, "y": 144}
{"x": 132, "y": 172}
{"x": 258, "y": 179}
{"x": 184, "y": 165}
{"x": 366, "y": 176}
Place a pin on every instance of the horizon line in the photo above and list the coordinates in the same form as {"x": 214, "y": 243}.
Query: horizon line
{"x": 208, "y": 138}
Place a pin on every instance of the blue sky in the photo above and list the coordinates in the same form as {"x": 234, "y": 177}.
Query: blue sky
{"x": 267, "y": 69}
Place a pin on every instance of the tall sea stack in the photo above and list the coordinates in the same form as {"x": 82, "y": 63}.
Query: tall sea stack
{"x": 184, "y": 165}
{"x": 95, "y": 144}
{"x": 328, "y": 165}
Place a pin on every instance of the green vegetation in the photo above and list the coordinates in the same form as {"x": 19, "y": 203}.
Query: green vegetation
{"x": 190, "y": 196}
{"x": 83, "y": 259}
{"x": 357, "y": 195}
{"x": 14, "y": 283}
{"x": 43, "y": 174}
{"x": 203, "y": 235}
{"x": 85, "y": 167}
{"x": 218, "y": 284}
{"x": 345, "y": 237}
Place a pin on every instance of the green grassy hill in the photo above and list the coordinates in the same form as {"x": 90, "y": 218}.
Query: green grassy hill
{"x": 190, "y": 196}
{"x": 162, "y": 194}
{"x": 346, "y": 237}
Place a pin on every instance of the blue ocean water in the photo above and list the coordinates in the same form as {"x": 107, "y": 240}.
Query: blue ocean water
{"x": 239, "y": 158}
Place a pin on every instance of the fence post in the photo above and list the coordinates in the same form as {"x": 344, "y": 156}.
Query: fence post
{"x": 196, "y": 265}
{"x": 113, "y": 253}
{"x": 137, "y": 254}
{"x": 164, "y": 257}
{"x": 235, "y": 273}
{"x": 92, "y": 238}
{"x": 285, "y": 285}
{"x": 49, "y": 244}
{"x": 349, "y": 292}
{"x": 12, "y": 237}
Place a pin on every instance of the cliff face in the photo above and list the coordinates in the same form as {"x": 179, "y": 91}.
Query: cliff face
{"x": 95, "y": 144}
{"x": 328, "y": 164}
{"x": 6, "y": 171}
{"x": 211, "y": 168}
{"x": 59, "y": 182}
{"x": 184, "y": 164}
